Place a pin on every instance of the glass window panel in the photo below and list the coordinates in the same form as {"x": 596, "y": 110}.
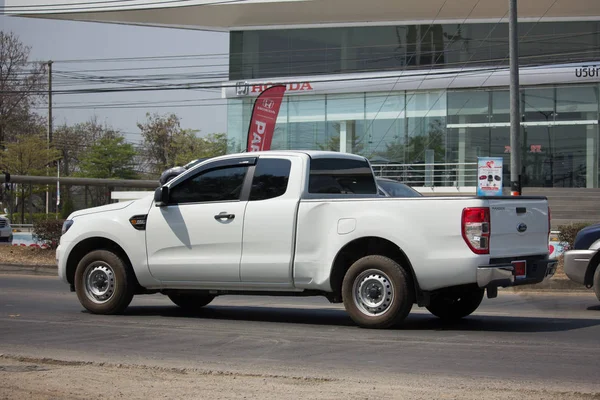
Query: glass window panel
{"x": 306, "y": 108}
{"x": 341, "y": 176}
{"x": 468, "y": 107}
{"x": 426, "y": 113}
{"x": 223, "y": 184}
{"x": 426, "y": 104}
{"x": 290, "y": 52}
{"x": 577, "y": 103}
{"x": 306, "y": 128}
{"x": 385, "y": 126}
{"x": 538, "y": 104}
{"x": 346, "y": 107}
{"x": 270, "y": 178}
{"x": 500, "y": 106}
{"x": 345, "y": 113}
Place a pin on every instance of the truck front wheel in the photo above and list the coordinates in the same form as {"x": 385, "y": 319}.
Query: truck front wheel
{"x": 103, "y": 283}
{"x": 377, "y": 292}
{"x": 454, "y": 305}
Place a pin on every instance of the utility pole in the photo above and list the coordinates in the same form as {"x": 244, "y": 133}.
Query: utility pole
{"x": 49, "y": 130}
{"x": 515, "y": 112}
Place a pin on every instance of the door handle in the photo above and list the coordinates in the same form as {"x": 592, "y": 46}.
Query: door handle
{"x": 224, "y": 216}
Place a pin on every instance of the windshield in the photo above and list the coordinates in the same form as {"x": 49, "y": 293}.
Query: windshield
{"x": 397, "y": 189}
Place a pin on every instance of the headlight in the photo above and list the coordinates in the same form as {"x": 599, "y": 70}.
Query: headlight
{"x": 66, "y": 225}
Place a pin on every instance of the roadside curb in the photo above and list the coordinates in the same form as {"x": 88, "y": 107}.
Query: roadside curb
{"x": 552, "y": 285}
{"x": 47, "y": 269}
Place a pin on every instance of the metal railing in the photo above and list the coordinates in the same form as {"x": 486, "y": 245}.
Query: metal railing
{"x": 430, "y": 174}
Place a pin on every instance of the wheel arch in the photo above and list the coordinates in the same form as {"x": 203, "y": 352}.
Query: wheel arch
{"x": 95, "y": 243}
{"x": 591, "y": 270}
{"x": 365, "y": 246}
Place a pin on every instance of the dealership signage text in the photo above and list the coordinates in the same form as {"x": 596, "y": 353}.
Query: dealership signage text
{"x": 243, "y": 88}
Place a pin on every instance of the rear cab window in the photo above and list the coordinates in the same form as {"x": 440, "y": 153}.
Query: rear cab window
{"x": 271, "y": 178}
{"x": 341, "y": 176}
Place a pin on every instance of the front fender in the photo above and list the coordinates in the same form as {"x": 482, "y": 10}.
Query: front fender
{"x": 113, "y": 226}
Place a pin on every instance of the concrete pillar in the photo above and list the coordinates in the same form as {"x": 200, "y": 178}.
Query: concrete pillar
{"x": 591, "y": 154}
{"x": 429, "y": 162}
{"x": 343, "y": 137}
{"x": 462, "y": 151}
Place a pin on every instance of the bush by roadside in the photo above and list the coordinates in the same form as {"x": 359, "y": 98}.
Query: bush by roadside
{"x": 27, "y": 218}
{"x": 48, "y": 232}
{"x": 567, "y": 233}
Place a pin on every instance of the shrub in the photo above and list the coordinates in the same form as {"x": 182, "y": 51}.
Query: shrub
{"x": 16, "y": 219}
{"x": 48, "y": 232}
{"x": 568, "y": 232}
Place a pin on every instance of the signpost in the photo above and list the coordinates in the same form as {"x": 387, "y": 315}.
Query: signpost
{"x": 489, "y": 176}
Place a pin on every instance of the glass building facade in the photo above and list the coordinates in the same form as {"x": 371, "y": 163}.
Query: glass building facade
{"x": 294, "y": 52}
{"x": 448, "y": 127}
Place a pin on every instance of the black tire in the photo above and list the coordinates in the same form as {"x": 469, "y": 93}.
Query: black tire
{"x": 454, "y": 305}
{"x": 364, "y": 281}
{"x": 596, "y": 283}
{"x": 114, "y": 283}
{"x": 191, "y": 302}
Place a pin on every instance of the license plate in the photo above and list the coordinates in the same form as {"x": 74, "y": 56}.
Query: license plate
{"x": 520, "y": 269}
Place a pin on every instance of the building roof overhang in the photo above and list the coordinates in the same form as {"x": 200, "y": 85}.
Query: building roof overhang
{"x": 228, "y": 15}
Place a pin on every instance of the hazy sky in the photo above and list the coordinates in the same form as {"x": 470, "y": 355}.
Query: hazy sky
{"x": 67, "y": 40}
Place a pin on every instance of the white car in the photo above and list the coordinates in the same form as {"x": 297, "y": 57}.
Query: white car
{"x": 304, "y": 223}
{"x": 6, "y": 234}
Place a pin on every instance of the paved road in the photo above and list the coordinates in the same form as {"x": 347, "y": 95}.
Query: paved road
{"x": 522, "y": 336}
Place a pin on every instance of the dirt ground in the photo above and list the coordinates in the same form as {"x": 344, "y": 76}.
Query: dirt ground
{"x": 38, "y": 379}
{"x": 26, "y": 255}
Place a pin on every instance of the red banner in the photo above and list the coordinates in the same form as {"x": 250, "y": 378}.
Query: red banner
{"x": 264, "y": 116}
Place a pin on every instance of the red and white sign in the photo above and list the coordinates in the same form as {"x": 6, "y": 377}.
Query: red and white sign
{"x": 264, "y": 117}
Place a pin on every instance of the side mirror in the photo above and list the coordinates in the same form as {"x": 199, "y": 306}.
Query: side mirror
{"x": 161, "y": 196}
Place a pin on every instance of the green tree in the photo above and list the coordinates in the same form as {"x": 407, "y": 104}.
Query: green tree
{"x": 214, "y": 144}
{"x": 74, "y": 140}
{"x": 27, "y": 155}
{"x": 166, "y": 144}
{"x": 108, "y": 158}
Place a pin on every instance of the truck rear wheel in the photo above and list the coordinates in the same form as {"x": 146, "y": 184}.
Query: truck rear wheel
{"x": 191, "y": 302}
{"x": 103, "y": 283}
{"x": 377, "y": 292}
{"x": 454, "y": 305}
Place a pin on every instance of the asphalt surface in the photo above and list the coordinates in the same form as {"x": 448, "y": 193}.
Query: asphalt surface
{"x": 520, "y": 336}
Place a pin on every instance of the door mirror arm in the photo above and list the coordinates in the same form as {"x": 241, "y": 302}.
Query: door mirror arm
{"x": 161, "y": 196}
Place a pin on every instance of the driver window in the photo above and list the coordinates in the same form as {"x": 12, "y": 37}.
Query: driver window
{"x": 223, "y": 184}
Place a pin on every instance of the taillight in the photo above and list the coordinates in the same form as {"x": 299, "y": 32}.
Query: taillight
{"x": 549, "y": 222}
{"x": 476, "y": 229}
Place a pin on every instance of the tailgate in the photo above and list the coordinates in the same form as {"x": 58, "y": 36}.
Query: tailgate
{"x": 519, "y": 226}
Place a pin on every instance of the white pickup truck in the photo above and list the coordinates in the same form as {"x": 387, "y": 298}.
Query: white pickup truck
{"x": 304, "y": 223}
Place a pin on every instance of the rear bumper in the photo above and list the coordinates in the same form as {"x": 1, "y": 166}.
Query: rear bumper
{"x": 502, "y": 274}
{"x": 576, "y": 264}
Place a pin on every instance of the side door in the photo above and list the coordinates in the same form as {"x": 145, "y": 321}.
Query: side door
{"x": 197, "y": 235}
{"x": 270, "y": 221}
